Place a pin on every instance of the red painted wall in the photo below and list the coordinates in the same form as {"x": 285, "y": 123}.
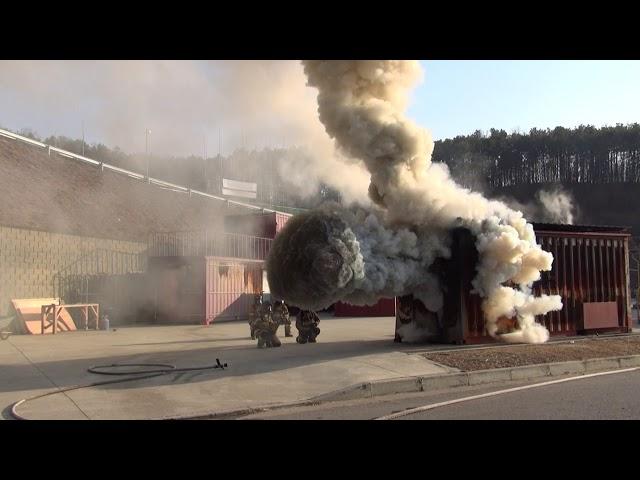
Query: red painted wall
{"x": 386, "y": 307}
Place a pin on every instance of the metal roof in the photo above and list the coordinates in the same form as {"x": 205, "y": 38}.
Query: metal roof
{"x": 557, "y": 227}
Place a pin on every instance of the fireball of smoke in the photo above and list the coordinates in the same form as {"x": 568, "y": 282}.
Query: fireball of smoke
{"x": 334, "y": 255}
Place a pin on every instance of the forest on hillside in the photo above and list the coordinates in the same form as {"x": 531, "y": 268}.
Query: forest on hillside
{"x": 583, "y": 155}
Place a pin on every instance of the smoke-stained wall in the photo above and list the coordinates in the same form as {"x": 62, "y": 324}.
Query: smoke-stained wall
{"x": 29, "y": 260}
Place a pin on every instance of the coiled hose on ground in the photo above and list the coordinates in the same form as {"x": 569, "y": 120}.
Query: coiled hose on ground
{"x": 157, "y": 370}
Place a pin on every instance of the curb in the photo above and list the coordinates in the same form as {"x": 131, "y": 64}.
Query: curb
{"x": 479, "y": 377}
{"x": 393, "y": 386}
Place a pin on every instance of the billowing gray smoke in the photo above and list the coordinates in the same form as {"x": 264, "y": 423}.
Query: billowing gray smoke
{"x": 335, "y": 253}
{"x": 353, "y": 257}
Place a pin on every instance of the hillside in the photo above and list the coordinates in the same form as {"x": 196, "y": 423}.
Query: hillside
{"x": 58, "y": 194}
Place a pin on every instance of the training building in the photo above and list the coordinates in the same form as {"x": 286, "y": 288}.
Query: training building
{"x": 85, "y": 232}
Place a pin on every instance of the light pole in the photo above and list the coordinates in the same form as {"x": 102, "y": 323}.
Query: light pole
{"x": 146, "y": 149}
{"x": 204, "y": 157}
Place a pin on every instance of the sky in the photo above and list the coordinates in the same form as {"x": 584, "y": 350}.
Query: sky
{"x": 224, "y": 105}
{"x": 459, "y": 97}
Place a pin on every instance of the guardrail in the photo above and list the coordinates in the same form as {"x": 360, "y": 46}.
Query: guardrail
{"x": 208, "y": 243}
{"x": 137, "y": 176}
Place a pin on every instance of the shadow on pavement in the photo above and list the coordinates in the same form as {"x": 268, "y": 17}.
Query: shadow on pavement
{"x": 242, "y": 360}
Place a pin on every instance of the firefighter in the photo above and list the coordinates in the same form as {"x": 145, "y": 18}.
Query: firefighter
{"x": 307, "y": 324}
{"x": 255, "y": 312}
{"x": 266, "y": 328}
{"x": 281, "y": 315}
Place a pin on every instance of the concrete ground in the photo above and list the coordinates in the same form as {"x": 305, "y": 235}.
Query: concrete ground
{"x": 349, "y": 351}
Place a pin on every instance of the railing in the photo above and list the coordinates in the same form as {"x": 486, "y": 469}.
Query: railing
{"x": 74, "y": 276}
{"x": 208, "y": 243}
{"x": 137, "y": 176}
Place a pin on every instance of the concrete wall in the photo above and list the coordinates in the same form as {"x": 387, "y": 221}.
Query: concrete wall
{"x": 29, "y": 259}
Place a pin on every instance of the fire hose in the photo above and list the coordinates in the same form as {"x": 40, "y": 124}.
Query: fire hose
{"x": 157, "y": 369}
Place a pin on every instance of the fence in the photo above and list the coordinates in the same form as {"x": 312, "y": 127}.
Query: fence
{"x": 205, "y": 243}
{"x": 71, "y": 283}
{"x": 122, "y": 171}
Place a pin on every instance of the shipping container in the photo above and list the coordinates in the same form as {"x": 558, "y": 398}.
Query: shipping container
{"x": 266, "y": 225}
{"x": 590, "y": 272}
{"x": 231, "y": 287}
{"x": 179, "y": 289}
{"x": 202, "y": 290}
{"x": 386, "y": 307}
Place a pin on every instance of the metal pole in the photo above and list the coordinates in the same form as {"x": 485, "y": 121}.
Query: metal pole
{"x": 147, "y": 154}
{"x": 638, "y": 289}
{"x": 83, "y": 138}
{"x": 220, "y": 147}
{"x": 206, "y": 180}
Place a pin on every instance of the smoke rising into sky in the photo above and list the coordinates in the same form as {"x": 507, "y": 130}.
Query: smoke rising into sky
{"x": 189, "y": 106}
{"x": 362, "y": 104}
{"x": 250, "y": 103}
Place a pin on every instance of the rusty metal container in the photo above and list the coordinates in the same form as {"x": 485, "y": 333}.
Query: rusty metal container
{"x": 266, "y": 225}
{"x": 386, "y": 307}
{"x": 590, "y": 272}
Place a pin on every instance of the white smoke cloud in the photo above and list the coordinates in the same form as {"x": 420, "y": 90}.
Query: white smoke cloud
{"x": 412, "y": 333}
{"x": 361, "y": 104}
{"x": 558, "y": 205}
{"x": 553, "y": 205}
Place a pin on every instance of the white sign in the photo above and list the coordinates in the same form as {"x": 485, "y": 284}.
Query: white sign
{"x": 235, "y": 185}
{"x": 238, "y": 193}
{"x": 239, "y": 189}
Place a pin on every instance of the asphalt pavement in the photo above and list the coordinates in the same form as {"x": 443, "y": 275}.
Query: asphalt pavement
{"x": 606, "y": 397}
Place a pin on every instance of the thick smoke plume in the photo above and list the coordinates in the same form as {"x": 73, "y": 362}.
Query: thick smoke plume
{"x": 348, "y": 254}
{"x": 361, "y": 104}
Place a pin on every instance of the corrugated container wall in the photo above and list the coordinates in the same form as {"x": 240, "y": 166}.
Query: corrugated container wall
{"x": 231, "y": 286}
{"x": 590, "y": 272}
{"x": 266, "y": 225}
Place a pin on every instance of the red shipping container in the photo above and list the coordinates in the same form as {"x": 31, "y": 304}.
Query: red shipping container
{"x": 590, "y": 272}
{"x": 386, "y": 307}
{"x": 265, "y": 225}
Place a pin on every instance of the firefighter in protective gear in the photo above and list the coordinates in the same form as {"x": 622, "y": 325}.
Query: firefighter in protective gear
{"x": 281, "y": 315}
{"x": 266, "y": 328}
{"x": 307, "y": 324}
{"x": 255, "y": 312}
